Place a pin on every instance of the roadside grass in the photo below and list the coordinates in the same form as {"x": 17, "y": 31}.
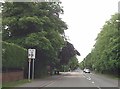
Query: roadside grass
{"x": 9, "y": 85}
{"x": 117, "y": 77}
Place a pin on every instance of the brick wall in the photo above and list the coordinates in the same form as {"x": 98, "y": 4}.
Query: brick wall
{"x": 12, "y": 76}
{"x": 0, "y": 78}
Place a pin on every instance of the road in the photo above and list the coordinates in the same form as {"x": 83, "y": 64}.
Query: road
{"x": 75, "y": 79}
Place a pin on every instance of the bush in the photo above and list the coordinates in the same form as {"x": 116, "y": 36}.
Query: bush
{"x": 13, "y": 56}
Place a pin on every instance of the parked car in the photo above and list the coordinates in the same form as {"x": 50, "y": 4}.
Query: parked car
{"x": 86, "y": 70}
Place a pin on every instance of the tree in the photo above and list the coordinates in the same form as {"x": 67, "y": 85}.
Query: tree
{"x": 35, "y": 25}
{"x": 106, "y": 53}
{"x": 73, "y": 63}
{"x": 67, "y": 53}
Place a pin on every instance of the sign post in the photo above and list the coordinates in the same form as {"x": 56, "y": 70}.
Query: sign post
{"x": 29, "y": 69}
{"x": 33, "y": 70}
{"x": 31, "y": 55}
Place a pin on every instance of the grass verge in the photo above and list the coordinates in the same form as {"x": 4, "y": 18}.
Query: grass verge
{"x": 117, "y": 77}
{"x": 9, "y": 85}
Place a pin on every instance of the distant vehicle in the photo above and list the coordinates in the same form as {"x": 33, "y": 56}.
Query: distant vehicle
{"x": 86, "y": 70}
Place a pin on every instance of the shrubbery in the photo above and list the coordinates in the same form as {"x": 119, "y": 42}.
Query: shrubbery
{"x": 13, "y": 56}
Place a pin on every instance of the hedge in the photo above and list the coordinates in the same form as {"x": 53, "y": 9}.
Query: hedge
{"x": 13, "y": 56}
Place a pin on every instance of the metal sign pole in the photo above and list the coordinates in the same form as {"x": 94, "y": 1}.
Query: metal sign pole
{"x": 33, "y": 70}
{"x": 31, "y": 56}
{"x": 29, "y": 69}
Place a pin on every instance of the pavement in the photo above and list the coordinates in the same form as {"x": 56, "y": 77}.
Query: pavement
{"x": 42, "y": 82}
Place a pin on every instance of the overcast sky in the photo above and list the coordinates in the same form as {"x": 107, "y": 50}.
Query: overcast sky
{"x": 85, "y": 19}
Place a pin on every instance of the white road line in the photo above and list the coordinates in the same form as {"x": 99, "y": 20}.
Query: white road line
{"x": 83, "y": 75}
{"x": 50, "y": 84}
{"x": 89, "y": 78}
{"x": 98, "y": 87}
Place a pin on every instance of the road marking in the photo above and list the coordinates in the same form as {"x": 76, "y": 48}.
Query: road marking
{"x": 98, "y": 87}
{"x": 89, "y": 78}
{"x": 50, "y": 84}
{"x": 84, "y": 76}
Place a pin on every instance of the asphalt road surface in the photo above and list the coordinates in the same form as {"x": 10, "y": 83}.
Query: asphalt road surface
{"x": 75, "y": 79}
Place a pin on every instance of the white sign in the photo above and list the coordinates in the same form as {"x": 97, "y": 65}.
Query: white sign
{"x": 31, "y": 53}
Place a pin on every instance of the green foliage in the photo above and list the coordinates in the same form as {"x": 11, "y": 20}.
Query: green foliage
{"x": 73, "y": 63}
{"x": 28, "y": 17}
{"x": 35, "y": 25}
{"x": 67, "y": 53}
{"x": 13, "y": 56}
{"x": 81, "y": 65}
{"x": 8, "y": 85}
{"x": 105, "y": 56}
{"x": 36, "y": 39}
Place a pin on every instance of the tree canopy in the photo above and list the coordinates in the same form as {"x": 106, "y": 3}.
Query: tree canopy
{"x": 105, "y": 56}
{"x": 67, "y": 52}
{"x": 36, "y": 25}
